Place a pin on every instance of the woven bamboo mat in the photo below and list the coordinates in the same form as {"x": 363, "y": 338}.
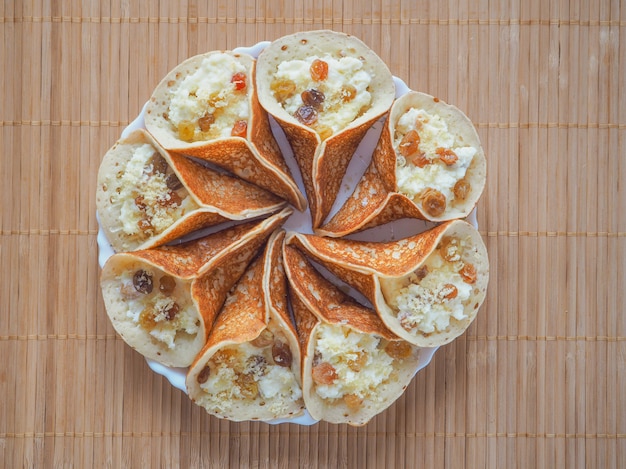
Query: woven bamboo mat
{"x": 539, "y": 379}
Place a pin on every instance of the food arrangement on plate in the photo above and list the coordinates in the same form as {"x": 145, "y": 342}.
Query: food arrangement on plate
{"x": 266, "y": 267}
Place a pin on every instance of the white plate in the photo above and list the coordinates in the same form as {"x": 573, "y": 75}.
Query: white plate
{"x": 301, "y": 221}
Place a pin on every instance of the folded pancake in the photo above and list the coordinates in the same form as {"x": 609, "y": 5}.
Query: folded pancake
{"x": 353, "y": 367}
{"x": 426, "y": 288}
{"x": 250, "y": 366}
{"x": 163, "y": 301}
{"x": 207, "y": 107}
{"x": 428, "y": 164}
{"x": 147, "y": 197}
{"x": 325, "y": 89}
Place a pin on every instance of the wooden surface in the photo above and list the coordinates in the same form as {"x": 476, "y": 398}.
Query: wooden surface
{"x": 539, "y": 380}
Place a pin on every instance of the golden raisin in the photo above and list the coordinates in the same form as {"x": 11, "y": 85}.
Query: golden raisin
{"x": 449, "y": 292}
{"x": 348, "y": 93}
{"x": 421, "y": 272}
{"x": 359, "y": 362}
{"x": 139, "y": 203}
{"x": 434, "y": 202}
{"x": 353, "y": 401}
{"x": 468, "y": 273}
{"x": 419, "y": 159}
{"x": 283, "y": 89}
{"x": 281, "y": 354}
{"x": 461, "y": 189}
{"x": 167, "y": 284}
{"x": 146, "y": 319}
{"x": 247, "y": 386}
{"x": 264, "y": 339}
{"x": 324, "y": 373}
{"x": 186, "y": 131}
{"x": 449, "y": 249}
{"x": 240, "y": 129}
{"x": 145, "y": 226}
{"x": 409, "y": 143}
{"x": 205, "y": 122}
{"x": 319, "y": 70}
{"x": 398, "y": 349}
{"x": 447, "y": 156}
{"x": 239, "y": 80}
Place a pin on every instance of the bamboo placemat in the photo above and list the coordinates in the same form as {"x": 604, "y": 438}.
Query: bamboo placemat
{"x": 539, "y": 379}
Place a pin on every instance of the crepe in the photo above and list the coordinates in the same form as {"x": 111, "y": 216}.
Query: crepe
{"x": 207, "y": 107}
{"x": 325, "y": 89}
{"x": 426, "y": 288}
{"x": 353, "y": 366}
{"x": 163, "y": 301}
{"x": 250, "y": 366}
{"x": 428, "y": 164}
{"x": 148, "y": 197}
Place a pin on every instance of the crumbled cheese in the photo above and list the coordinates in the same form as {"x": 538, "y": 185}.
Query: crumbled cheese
{"x": 421, "y": 306}
{"x": 335, "y": 114}
{"x": 276, "y": 386}
{"x": 138, "y": 180}
{"x": 209, "y": 90}
{"x": 341, "y": 346}
{"x": 434, "y": 133}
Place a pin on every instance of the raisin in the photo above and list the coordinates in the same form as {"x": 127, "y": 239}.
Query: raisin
{"x": 447, "y": 156}
{"x": 419, "y": 159}
{"x": 324, "y": 373}
{"x": 449, "y": 249}
{"x": 142, "y": 281}
{"x": 434, "y": 202}
{"x": 421, "y": 272}
{"x": 319, "y": 70}
{"x": 144, "y": 225}
{"x": 461, "y": 189}
{"x": 240, "y": 129}
{"x": 172, "y": 311}
{"x": 468, "y": 273}
{"x": 358, "y": 363}
{"x": 167, "y": 284}
{"x": 313, "y": 98}
{"x": 398, "y": 349}
{"x": 306, "y": 114}
{"x": 203, "y": 376}
{"x": 205, "y": 122}
{"x": 239, "y": 80}
{"x": 172, "y": 198}
{"x": 283, "y": 89}
{"x": 139, "y": 203}
{"x": 256, "y": 364}
{"x": 264, "y": 339}
{"x": 409, "y": 143}
{"x": 172, "y": 182}
{"x": 159, "y": 164}
{"x": 281, "y": 354}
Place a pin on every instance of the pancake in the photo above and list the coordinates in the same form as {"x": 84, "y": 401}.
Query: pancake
{"x": 428, "y": 164}
{"x": 147, "y": 197}
{"x": 250, "y": 366}
{"x": 353, "y": 366}
{"x": 325, "y": 89}
{"x": 163, "y": 301}
{"x": 427, "y": 288}
{"x": 207, "y": 107}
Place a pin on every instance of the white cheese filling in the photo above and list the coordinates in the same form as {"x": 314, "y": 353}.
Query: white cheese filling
{"x": 427, "y": 303}
{"x": 337, "y": 112}
{"x": 434, "y": 133}
{"x": 139, "y": 180}
{"x": 248, "y": 372}
{"x": 209, "y": 90}
{"x": 359, "y": 361}
{"x": 152, "y": 311}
